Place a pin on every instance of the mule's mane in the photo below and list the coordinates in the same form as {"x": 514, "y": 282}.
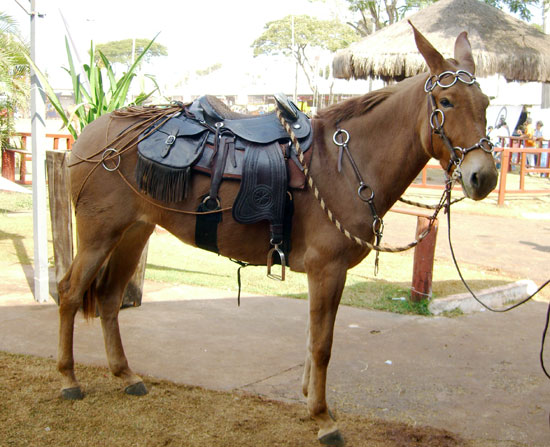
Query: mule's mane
{"x": 357, "y": 106}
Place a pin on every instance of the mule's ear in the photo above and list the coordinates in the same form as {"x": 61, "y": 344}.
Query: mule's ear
{"x": 435, "y": 61}
{"x": 463, "y": 52}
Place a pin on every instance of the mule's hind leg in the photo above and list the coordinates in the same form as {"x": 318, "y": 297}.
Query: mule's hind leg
{"x": 78, "y": 279}
{"x": 326, "y": 282}
{"x": 120, "y": 268}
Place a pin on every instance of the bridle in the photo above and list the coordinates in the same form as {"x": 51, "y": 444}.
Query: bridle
{"x": 446, "y": 80}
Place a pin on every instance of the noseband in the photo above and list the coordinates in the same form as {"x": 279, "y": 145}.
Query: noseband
{"x": 437, "y": 118}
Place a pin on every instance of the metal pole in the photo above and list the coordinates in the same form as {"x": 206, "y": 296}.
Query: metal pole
{"x": 295, "y": 52}
{"x": 545, "y": 99}
{"x": 38, "y": 129}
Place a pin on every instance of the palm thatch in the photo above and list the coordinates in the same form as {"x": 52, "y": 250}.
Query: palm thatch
{"x": 500, "y": 43}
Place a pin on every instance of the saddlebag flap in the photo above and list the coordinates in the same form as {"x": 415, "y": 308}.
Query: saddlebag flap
{"x": 164, "y": 174}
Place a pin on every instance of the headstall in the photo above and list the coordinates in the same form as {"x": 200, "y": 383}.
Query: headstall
{"x": 437, "y": 117}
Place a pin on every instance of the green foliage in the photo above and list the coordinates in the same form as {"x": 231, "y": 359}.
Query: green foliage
{"x": 91, "y": 96}
{"x": 373, "y": 15}
{"x": 520, "y": 8}
{"x": 120, "y": 51}
{"x": 309, "y": 33}
{"x": 14, "y": 73}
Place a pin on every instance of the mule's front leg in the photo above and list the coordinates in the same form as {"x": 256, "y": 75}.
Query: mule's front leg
{"x": 326, "y": 283}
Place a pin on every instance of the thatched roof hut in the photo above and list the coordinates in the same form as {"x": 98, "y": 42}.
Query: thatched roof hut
{"x": 501, "y": 44}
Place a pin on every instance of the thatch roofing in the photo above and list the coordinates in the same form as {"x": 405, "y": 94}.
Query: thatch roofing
{"x": 500, "y": 44}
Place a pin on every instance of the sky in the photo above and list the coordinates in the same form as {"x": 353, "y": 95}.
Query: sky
{"x": 197, "y": 34}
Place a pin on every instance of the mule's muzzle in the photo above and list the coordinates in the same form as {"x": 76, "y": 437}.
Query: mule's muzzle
{"x": 479, "y": 176}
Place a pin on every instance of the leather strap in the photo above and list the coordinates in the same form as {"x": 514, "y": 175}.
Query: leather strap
{"x": 225, "y": 144}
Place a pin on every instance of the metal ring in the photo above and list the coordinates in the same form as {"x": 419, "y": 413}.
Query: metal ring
{"x": 378, "y": 226}
{"x": 438, "y": 81}
{"x": 362, "y": 187}
{"x": 432, "y": 116}
{"x": 459, "y": 159}
{"x": 429, "y": 85}
{"x": 482, "y": 146}
{"x": 207, "y": 198}
{"x": 105, "y": 155}
{"x": 472, "y": 77}
{"x": 337, "y": 134}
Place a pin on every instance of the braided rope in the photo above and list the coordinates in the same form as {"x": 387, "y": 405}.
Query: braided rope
{"x": 423, "y": 205}
{"x": 330, "y": 214}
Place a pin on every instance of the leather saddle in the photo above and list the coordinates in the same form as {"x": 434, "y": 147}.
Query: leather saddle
{"x": 208, "y": 137}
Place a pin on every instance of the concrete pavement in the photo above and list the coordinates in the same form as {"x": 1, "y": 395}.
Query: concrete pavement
{"x": 476, "y": 375}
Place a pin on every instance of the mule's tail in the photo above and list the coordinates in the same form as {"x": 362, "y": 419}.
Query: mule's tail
{"x": 89, "y": 301}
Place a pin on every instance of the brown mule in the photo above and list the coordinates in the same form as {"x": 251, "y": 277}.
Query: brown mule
{"x": 393, "y": 133}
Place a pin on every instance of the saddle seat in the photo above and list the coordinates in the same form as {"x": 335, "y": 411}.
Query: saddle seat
{"x": 260, "y": 129}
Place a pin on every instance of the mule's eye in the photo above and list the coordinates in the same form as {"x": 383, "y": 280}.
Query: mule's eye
{"x": 445, "y": 103}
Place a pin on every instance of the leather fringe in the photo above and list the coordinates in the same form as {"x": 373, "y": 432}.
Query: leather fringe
{"x": 162, "y": 182}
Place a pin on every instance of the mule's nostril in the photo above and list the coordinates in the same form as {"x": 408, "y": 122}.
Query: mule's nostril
{"x": 474, "y": 180}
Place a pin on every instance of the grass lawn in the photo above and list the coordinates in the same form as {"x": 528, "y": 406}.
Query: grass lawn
{"x": 169, "y": 260}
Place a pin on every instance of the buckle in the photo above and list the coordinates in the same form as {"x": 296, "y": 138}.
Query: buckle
{"x": 170, "y": 140}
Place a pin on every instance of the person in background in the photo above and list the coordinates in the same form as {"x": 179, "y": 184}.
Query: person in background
{"x": 500, "y": 138}
{"x": 530, "y": 142}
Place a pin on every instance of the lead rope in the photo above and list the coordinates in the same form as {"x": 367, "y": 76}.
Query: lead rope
{"x": 541, "y": 355}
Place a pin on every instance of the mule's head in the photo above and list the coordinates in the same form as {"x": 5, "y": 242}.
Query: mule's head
{"x": 454, "y": 128}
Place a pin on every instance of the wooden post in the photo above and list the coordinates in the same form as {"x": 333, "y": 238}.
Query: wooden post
{"x": 424, "y": 254}
{"x": 522, "y": 171}
{"x": 504, "y": 163}
{"x": 60, "y": 213}
{"x": 8, "y": 164}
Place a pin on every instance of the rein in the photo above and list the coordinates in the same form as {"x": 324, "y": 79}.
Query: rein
{"x": 489, "y": 308}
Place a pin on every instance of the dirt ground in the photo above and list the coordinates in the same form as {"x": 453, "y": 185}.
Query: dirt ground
{"x": 33, "y": 414}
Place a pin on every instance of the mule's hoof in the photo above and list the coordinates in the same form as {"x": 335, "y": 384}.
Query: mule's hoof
{"x": 333, "y": 439}
{"x": 136, "y": 389}
{"x": 72, "y": 393}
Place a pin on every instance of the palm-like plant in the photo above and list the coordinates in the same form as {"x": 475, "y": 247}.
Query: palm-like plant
{"x": 91, "y": 95}
{"x": 14, "y": 72}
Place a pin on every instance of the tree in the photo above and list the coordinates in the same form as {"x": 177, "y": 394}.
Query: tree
{"x": 372, "y": 15}
{"x": 310, "y": 35}
{"x": 120, "y": 51}
{"x": 14, "y": 72}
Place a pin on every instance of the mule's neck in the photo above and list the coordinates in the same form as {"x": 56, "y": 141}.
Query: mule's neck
{"x": 388, "y": 142}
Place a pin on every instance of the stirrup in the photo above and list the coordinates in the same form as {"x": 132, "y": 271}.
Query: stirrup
{"x": 281, "y": 254}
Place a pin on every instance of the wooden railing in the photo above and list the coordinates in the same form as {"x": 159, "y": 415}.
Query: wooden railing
{"x": 511, "y": 154}
{"x": 10, "y": 152}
